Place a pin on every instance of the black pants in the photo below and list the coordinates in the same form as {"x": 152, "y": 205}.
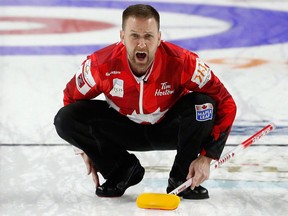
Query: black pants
{"x": 106, "y": 136}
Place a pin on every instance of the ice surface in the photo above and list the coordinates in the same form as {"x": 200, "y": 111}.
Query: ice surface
{"x": 53, "y": 181}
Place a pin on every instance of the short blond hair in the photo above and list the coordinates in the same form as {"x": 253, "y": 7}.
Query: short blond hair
{"x": 140, "y": 11}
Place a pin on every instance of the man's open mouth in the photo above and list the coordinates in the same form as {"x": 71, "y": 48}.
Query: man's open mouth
{"x": 141, "y": 55}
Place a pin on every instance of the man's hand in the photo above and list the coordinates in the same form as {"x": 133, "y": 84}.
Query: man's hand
{"x": 199, "y": 170}
{"x": 91, "y": 169}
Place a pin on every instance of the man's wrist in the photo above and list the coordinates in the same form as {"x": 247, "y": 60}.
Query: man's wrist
{"x": 208, "y": 159}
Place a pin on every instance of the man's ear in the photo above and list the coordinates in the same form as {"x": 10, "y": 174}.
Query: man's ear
{"x": 122, "y": 36}
{"x": 159, "y": 38}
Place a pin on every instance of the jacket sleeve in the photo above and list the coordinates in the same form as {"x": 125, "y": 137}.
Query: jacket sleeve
{"x": 82, "y": 86}
{"x": 203, "y": 80}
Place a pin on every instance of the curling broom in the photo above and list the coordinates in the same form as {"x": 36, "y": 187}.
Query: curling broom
{"x": 171, "y": 201}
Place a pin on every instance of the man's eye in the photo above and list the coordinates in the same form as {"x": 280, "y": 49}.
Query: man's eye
{"x": 135, "y": 36}
{"x": 148, "y": 36}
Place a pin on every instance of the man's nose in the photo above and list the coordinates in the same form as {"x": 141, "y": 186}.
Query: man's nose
{"x": 141, "y": 43}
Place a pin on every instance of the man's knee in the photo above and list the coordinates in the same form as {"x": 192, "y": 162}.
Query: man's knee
{"x": 198, "y": 98}
{"x": 194, "y": 104}
{"x": 62, "y": 122}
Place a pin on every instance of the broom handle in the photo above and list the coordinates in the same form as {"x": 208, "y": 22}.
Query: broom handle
{"x": 229, "y": 155}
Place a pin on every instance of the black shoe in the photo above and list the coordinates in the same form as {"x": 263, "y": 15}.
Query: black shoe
{"x": 116, "y": 187}
{"x": 198, "y": 192}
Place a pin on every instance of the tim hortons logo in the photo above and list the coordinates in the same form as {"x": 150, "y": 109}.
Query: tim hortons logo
{"x": 164, "y": 90}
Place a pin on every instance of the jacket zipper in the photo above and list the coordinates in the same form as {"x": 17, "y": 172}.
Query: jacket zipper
{"x": 141, "y": 96}
{"x": 141, "y": 82}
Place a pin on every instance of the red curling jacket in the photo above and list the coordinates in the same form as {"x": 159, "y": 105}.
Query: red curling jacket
{"x": 174, "y": 73}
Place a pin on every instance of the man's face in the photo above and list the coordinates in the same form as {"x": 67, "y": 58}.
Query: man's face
{"x": 141, "y": 39}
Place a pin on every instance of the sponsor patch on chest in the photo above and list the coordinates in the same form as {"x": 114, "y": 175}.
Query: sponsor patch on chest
{"x": 166, "y": 89}
{"x": 204, "y": 112}
{"x": 118, "y": 88}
